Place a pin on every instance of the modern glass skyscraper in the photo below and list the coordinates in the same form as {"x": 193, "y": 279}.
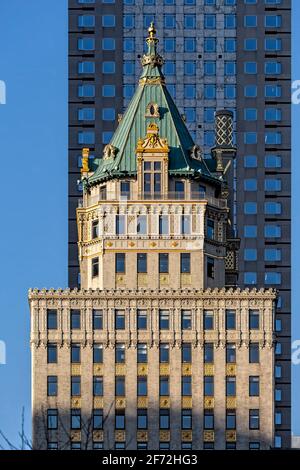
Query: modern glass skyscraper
{"x": 233, "y": 54}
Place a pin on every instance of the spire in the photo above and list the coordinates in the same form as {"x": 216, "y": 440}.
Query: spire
{"x": 152, "y": 61}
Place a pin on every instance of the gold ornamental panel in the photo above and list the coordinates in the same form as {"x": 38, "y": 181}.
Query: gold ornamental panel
{"x": 186, "y": 369}
{"x": 231, "y": 369}
{"x": 142, "y": 436}
{"x": 120, "y": 403}
{"x": 186, "y": 436}
{"x": 186, "y": 402}
{"x": 98, "y": 369}
{"x": 120, "y": 369}
{"x": 98, "y": 402}
{"x": 164, "y": 279}
{"x": 209, "y": 402}
{"x": 164, "y": 402}
{"x": 209, "y": 369}
{"x": 98, "y": 436}
{"x": 120, "y": 436}
{"x": 75, "y": 369}
{"x": 231, "y": 403}
{"x": 164, "y": 369}
{"x": 142, "y": 402}
{"x": 186, "y": 279}
{"x": 142, "y": 369}
{"x": 121, "y": 280}
{"x": 75, "y": 402}
{"x": 75, "y": 435}
{"x": 208, "y": 436}
{"x": 231, "y": 436}
{"x": 164, "y": 436}
{"x": 142, "y": 280}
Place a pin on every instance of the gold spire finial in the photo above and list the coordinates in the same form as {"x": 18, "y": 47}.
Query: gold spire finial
{"x": 152, "y": 30}
{"x": 85, "y": 160}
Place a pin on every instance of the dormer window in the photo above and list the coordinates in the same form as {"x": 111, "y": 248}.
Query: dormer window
{"x": 152, "y": 179}
{"x": 125, "y": 189}
{"x": 179, "y": 189}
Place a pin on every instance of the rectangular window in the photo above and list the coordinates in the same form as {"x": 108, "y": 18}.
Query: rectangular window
{"x": 209, "y": 353}
{"x": 120, "y": 386}
{"x": 185, "y": 224}
{"x": 95, "y": 267}
{"x": 164, "y": 353}
{"x": 253, "y": 386}
{"x": 253, "y": 419}
{"x": 230, "y": 386}
{"x": 186, "y": 385}
{"x": 163, "y": 224}
{"x": 120, "y": 423}
{"x": 210, "y": 229}
{"x": 120, "y": 353}
{"x": 120, "y": 320}
{"x": 208, "y": 419}
{"x": 230, "y": 353}
{"x": 142, "y": 263}
{"x": 208, "y": 386}
{"x": 210, "y": 268}
{"x": 75, "y": 353}
{"x": 164, "y": 388}
{"x": 142, "y": 386}
{"x": 51, "y": 319}
{"x": 97, "y": 419}
{"x": 230, "y": 319}
{"x": 186, "y": 353}
{"x": 120, "y": 224}
{"x": 230, "y": 419}
{"x": 186, "y": 419}
{"x": 186, "y": 319}
{"x": 75, "y": 319}
{"x": 208, "y": 320}
{"x": 185, "y": 263}
{"x": 254, "y": 319}
{"x": 97, "y": 319}
{"x": 75, "y": 386}
{"x": 125, "y": 189}
{"x": 120, "y": 263}
{"x": 254, "y": 353}
{"x": 52, "y": 385}
{"x": 163, "y": 262}
{"x": 142, "y": 319}
{"x": 95, "y": 229}
{"x": 75, "y": 419}
{"x": 142, "y": 353}
{"x": 52, "y": 418}
{"x": 52, "y": 353}
{"x": 164, "y": 320}
{"x": 142, "y": 418}
{"x": 141, "y": 227}
{"x": 164, "y": 419}
{"x": 97, "y": 353}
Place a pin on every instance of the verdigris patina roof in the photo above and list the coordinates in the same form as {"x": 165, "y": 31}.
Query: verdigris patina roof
{"x": 151, "y": 103}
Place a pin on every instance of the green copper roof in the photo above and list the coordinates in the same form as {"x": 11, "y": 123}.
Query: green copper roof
{"x": 121, "y": 160}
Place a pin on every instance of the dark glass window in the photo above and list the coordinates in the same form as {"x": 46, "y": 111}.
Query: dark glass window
{"x": 52, "y": 385}
{"x": 97, "y": 353}
{"x": 209, "y": 352}
{"x": 186, "y": 385}
{"x": 120, "y": 353}
{"x": 120, "y": 420}
{"x": 120, "y": 320}
{"x": 186, "y": 352}
{"x": 253, "y": 386}
{"x": 98, "y": 386}
{"x": 52, "y": 418}
{"x": 164, "y": 321}
{"x": 95, "y": 267}
{"x": 52, "y": 353}
{"x": 253, "y": 419}
{"x": 97, "y": 319}
{"x": 208, "y": 419}
{"x": 230, "y": 387}
{"x": 142, "y": 353}
{"x": 141, "y": 262}
{"x": 142, "y": 388}
{"x": 75, "y": 419}
{"x": 125, "y": 189}
{"x": 230, "y": 419}
{"x": 164, "y": 353}
{"x": 208, "y": 319}
{"x": 254, "y": 353}
{"x": 185, "y": 263}
{"x": 186, "y": 319}
{"x": 179, "y": 190}
{"x": 75, "y": 353}
{"x": 97, "y": 419}
{"x": 231, "y": 353}
{"x": 142, "y": 319}
{"x": 120, "y": 263}
{"x": 164, "y": 419}
{"x": 120, "y": 386}
{"x": 163, "y": 262}
{"x": 210, "y": 268}
{"x": 186, "y": 419}
{"x": 208, "y": 386}
{"x": 142, "y": 418}
{"x": 254, "y": 319}
{"x": 52, "y": 319}
{"x": 75, "y": 319}
{"x": 164, "y": 386}
{"x": 75, "y": 386}
{"x": 230, "y": 319}
{"x": 95, "y": 229}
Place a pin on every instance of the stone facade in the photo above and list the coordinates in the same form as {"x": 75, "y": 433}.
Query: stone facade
{"x": 152, "y": 301}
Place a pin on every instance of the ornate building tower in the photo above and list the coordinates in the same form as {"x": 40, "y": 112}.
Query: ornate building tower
{"x": 158, "y": 349}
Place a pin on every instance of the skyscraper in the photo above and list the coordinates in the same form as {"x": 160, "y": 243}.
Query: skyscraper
{"x": 218, "y": 54}
{"x": 159, "y": 349}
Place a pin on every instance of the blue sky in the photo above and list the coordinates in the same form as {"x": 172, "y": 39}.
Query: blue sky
{"x": 33, "y": 149}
